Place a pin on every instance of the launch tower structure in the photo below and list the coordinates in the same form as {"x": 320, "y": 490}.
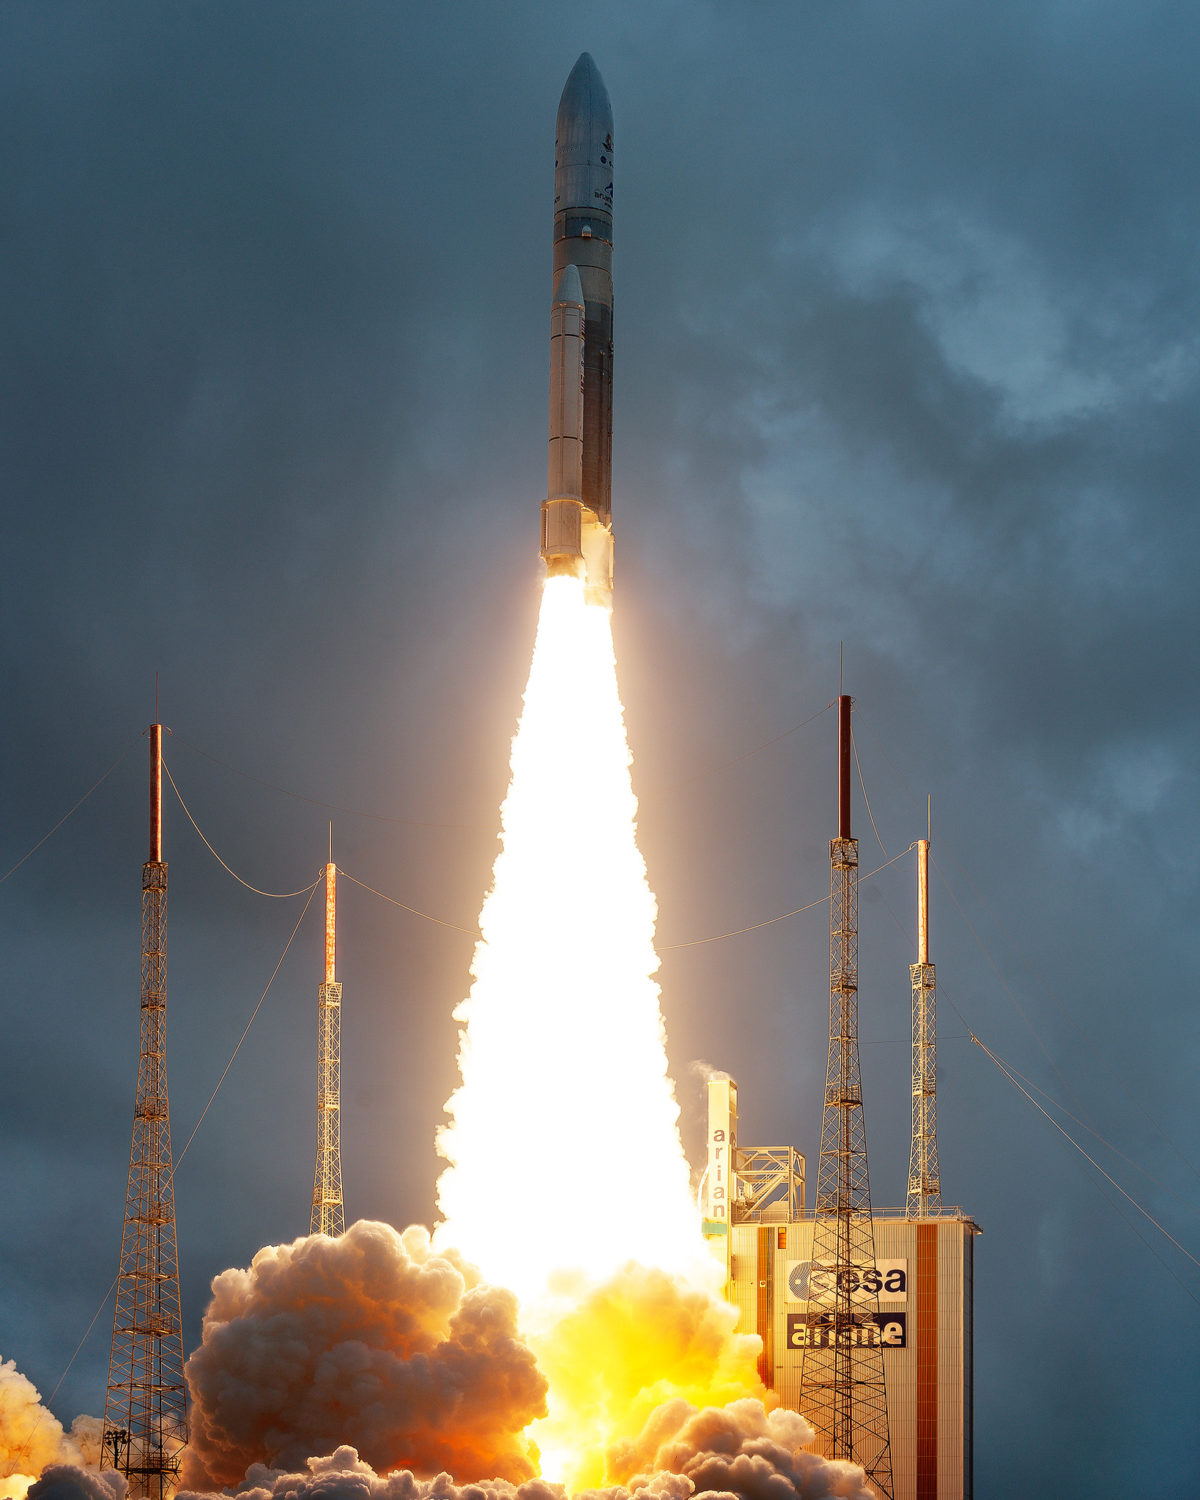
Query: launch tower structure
{"x": 842, "y": 1380}
{"x": 328, "y": 1215}
{"x": 924, "y": 1179}
{"x": 145, "y": 1409}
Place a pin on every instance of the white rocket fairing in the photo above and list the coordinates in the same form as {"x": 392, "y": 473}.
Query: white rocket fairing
{"x": 577, "y": 512}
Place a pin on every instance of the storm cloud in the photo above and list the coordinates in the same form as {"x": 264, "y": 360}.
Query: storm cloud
{"x": 906, "y": 360}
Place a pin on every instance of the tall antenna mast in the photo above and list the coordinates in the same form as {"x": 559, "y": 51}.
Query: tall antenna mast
{"x": 924, "y": 1179}
{"x": 145, "y": 1409}
{"x": 328, "y": 1215}
{"x": 841, "y": 1378}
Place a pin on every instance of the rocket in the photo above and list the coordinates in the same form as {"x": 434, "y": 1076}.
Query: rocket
{"x": 577, "y": 512}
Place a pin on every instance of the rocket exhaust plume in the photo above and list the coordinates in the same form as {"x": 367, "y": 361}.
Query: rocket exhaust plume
{"x": 565, "y": 1093}
{"x": 564, "y": 1142}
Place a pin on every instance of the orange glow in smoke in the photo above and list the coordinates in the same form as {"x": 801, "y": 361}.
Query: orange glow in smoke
{"x": 642, "y": 1338}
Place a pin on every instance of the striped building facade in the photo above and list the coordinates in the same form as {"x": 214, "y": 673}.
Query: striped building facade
{"x": 754, "y": 1219}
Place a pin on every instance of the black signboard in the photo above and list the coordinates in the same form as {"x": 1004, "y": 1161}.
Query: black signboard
{"x": 811, "y": 1330}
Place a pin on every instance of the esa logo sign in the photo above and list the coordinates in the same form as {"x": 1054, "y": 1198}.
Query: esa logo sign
{"x": 886, "y": 1279}
{"x": 864, "y": 1331}
{"x": 798, "y": 1280}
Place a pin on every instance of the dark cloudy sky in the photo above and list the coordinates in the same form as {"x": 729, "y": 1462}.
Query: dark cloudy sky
{"x": 906, "y": 358}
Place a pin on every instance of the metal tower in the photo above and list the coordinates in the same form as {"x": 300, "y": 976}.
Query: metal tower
{"x": 924, "y": 1180}
{"x": 145, "y": 1410}
{"x": 328, "y": 1216}
{"x": 841, "y": 1380}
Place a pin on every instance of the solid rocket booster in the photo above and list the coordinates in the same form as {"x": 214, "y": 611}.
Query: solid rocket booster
{"x": 577, "y": 512}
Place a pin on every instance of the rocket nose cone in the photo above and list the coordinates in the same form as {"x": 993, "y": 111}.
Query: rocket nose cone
{"x": 584, "y": 95}
{"x": 569, "y": 288}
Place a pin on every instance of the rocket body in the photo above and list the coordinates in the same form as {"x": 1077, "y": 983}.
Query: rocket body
{"x": 577, "y": 513}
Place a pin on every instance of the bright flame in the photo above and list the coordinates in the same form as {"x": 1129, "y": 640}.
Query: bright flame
{"x": 564, "y": 1139}
{"x": 641, "y": 1339}
{"x": 568, "y": 1180}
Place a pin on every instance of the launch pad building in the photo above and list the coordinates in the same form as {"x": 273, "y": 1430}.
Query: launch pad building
{"x": 753, "y": 1205}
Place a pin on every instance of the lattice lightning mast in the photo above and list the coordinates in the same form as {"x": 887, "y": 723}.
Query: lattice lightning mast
{"x": 328, "y": 1215}
{"x": 145, "y": 1409}
{"x": 841, "y": 1380}
{"x": 924, "y": 1179}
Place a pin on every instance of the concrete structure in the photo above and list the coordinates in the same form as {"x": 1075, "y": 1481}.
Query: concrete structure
{"x": 753, "y": 1207}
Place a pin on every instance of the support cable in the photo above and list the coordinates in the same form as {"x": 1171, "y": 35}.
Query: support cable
{"x": 1091, "y": 1130}
{"x": 1130, "y": 1223}
{"x": 1118, "y": 1208}
{"x": 67, "y": 814}
{"x": 1058, "y": 1072}
{"x": 995, "y": 968}
{"x": 663, "y": 948}
{"x": 863, "y": 785}
{"x": 454, "y": 927}
{"x": 46, "y": 1404}
{"x": 1033, "y": 1031}
{"x": 1012, "y": 1078}
{"x": 746, "y": 754}
{"x": 968, "y": 1035}
{"x": 182, "y": 1154}
{"x": 249, "y": 1023}
{"x": 354, "y": 812}
{"x": 275, "y": 895}
{"x": 1047, "y": 988}
{"x": 721, "y": 936}
{"x": 358, "y": 812}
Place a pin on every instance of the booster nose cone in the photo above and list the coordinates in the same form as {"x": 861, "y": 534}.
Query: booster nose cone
{"x": 569, "y": 288}
{"x": 583, "y": 142}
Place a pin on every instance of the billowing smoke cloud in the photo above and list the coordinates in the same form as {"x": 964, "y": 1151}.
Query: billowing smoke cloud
{"x": 740, "y": 1449}
{"x": 706, "y": 1072}
{"x": 374, "y": 1335}
{"x": 370, "y": 1339}
{"x": 32, "y": 1437}
{"x": 65, "y": 1482}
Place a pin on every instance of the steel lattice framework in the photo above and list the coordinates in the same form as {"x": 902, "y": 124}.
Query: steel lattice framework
{"x": 924, "y": 1178}
{"x": 328, "y": 1215}
{"x": 842, "y": 1382}
{"x": 145, "y": 1410}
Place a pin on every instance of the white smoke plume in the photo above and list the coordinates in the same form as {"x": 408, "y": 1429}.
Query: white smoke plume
{"x": 31, "y": 1436}
{"x": 66, "y": 1482}
{"x": 707, "y": 1073}
{"x": 738, "y": 1450}
{"x": 683, "y": 1451}
{"x": 370, "y": 1339}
